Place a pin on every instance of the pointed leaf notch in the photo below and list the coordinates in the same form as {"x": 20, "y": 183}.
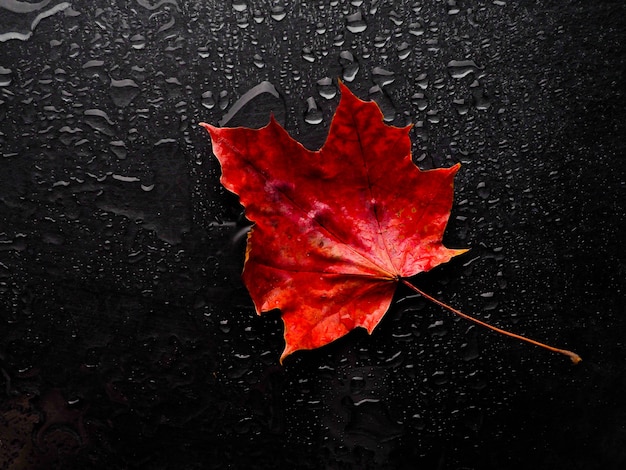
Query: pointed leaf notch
{"x": 337, "y": 229}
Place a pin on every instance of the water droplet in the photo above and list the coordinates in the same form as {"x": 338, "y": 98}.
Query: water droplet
{"x": 440, "y": 378}
{"x": 380, "y": 41}
{"x": 239, "y": 5}
{"x": 223, "y": 100}
{"x": 21, "y": 18}
{"x": 422, "y": 81}
{"x": 483, "y": 191}
{"x": 173, "y": 81}
{"x": 404, "y": 50}
{"x": 224, "y": 326}
{"x": 461, "y": 106}
{"x": 355, "y": 23}
{"x": 258, "y": 61}
{"x": 320, "y": 28}
{"x": 419, "y": 100}
{"x": 349, "y": 66}
{"x": 118, "y": 147}
{"x": 139, "y": 73}
{"x": 396, "y": 17}
{"x": 462, "y": 68}
{"x": 67, "y": 134}
{"x": 123, "y": 92}
{"x": 313, "y": 115}
{"x": 416, "y": 29}
{"x": 5, "y": 76}
{"x": 278, "y": 12}
{"x": 454, "y": 9}
{"x": 418, "y": 422}
{"x": 307, "y": 54}
{"x": 263, "y": 97}
{"x": 100, "y": 121}
{"x": 208, "y": 101}
{"x": 382, "y": 77}
{"x": 125, "y": 179}
{"x": 203, "y": 52}
{"x": 437, "y": 328}
{"x": 257, "y": 16}
{"x": 138, "y": 41}
{"x": 481, "y": 101}
{"x": 357, "y": 383}
{"x": 74, "y": 50}
{"x": 243, "y": 22}
{"x": 433, "y": 116}
{"x": 326, "y": 88}
{"x": 92, "y": 64}
{"x": 339, "y": 40}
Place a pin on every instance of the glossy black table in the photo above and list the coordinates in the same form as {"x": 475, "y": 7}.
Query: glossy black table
{"x": 127, "y": 339}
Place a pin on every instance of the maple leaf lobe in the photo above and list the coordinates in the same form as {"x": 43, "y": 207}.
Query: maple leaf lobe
{"x": 334, "y": 229}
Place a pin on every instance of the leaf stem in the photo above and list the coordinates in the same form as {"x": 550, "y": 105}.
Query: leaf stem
{"x": 575, "y": 358}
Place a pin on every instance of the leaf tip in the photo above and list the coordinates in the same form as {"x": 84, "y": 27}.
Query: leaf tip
{"x": 344, "y": 90}
{"x": 286, "y": 352}
{"x": 209, "y": 128}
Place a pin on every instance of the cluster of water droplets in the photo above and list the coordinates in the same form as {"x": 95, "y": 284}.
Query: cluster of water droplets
{"x": 102, "y": 116}
{"x": 334, "y": 37}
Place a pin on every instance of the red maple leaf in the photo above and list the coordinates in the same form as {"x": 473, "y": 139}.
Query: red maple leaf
{"x": 335, "y": 230}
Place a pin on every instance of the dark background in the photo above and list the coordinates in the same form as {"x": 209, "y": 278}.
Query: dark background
{"x": 127, "y": 339}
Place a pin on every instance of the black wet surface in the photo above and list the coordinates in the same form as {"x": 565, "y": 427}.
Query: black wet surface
{"x": 127, "y": 339}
